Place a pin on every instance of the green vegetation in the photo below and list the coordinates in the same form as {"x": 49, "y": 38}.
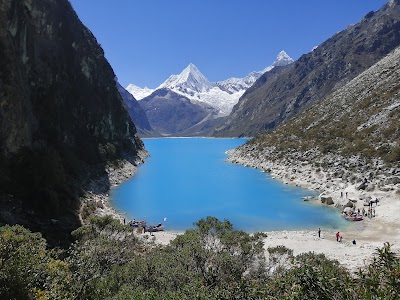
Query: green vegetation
{"x": 211, "y": 261}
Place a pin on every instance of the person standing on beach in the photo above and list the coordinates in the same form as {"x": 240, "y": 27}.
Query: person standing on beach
{"x": 319, "y": 232}
{"x": 337, "y": 236}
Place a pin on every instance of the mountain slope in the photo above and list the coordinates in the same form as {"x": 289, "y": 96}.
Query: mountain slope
{"x": 138, "y": 92}
{"x": 62, "y": 120}
{"x": 188, "y": 81}
{"x": 171, "y": 114}
{"x": 361, "y": 118}
{"x": 233, "y": 85}
{"x": 274, "y": 99}
{"x": 351, "y": 137}
{"x": 209, "y": 101}
{"x": 137, "y": 114}
{"x": 222, "y": 95}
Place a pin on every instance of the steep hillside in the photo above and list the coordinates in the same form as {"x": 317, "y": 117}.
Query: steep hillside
{"x": 136, "y": 113}
{"x": 274, "y": 99}
{"x": 62, "y": 120}
{"x": 352, "y": 137}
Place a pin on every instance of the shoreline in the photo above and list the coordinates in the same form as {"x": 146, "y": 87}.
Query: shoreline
{"x": 98, "y": 198}
{"x": 369, "y": 234}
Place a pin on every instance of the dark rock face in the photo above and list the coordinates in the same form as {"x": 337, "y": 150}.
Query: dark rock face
{"x": 283, "y": 93}
{"x": 137, "y": 114}
{"x": 61, "y": 116}
{"x": 172, "y": 114}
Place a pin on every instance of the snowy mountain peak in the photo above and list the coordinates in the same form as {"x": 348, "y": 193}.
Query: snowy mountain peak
{"x": 222, "y": 95}
{"x": 282, "y": 59}
{"x": 189, "y": 80}
{"x": 233, "y": 85}
{"x": 138, "y": 92}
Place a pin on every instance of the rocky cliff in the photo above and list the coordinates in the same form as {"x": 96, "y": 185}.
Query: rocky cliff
{"x": 276, "y": 97}
{"x": 62, "y": 120}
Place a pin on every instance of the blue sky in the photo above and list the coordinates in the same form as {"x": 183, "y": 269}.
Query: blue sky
{"x": 145, "y": 41}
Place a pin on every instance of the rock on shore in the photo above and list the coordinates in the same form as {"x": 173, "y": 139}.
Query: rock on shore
{"x": 340, "y": 180}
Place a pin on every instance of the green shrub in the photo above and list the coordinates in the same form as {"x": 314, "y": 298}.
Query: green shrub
{"x": 23, "y": 260}
{"x": 211, "y": 261}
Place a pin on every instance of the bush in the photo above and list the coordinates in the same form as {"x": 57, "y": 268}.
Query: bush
{"x": 23, "y": 260}
{"x": 211, "y": 261}
{"x": 381, "y": 279}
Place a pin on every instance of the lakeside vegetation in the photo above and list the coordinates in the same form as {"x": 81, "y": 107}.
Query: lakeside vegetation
{"x": 211, "y": 261}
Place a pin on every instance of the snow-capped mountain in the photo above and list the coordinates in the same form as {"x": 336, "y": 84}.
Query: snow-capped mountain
{"x": 234, "y": 85}
{"x": 282, "y": 59}
{"x": 189, "y": 81}
{"x": 222, "y": 95}
{"x": 138, "y": 92}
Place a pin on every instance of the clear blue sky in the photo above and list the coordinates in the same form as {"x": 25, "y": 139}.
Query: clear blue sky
{"x": 145, "y": 41}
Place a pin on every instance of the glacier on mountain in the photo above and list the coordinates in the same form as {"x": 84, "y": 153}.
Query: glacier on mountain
{"x": 190, "y": 79}
{"x": 222, "y": 95}
{"x": 138, "y": 92}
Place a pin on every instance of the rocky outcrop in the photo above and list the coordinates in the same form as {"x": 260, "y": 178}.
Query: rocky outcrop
{"x": 282, "y": 94}
{"x": 62, "y": 120}
{"x": 326, "y": 200}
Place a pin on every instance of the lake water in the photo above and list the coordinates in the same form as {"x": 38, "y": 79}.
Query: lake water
{"x": 186, "y": 179}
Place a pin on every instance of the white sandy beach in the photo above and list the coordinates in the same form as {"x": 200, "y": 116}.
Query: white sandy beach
{"x": 369, "y": 234}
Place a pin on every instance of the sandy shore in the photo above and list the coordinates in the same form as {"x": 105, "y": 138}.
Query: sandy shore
{"x": 369, "y": 234}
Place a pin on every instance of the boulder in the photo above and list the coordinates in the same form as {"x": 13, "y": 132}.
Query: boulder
{"x": 370, "y": 188}
{"x": 327, "y": 200}
{"x": 362, "y": 186}
{"x": 393, "y": 180}
{"x": 349, "y": 204}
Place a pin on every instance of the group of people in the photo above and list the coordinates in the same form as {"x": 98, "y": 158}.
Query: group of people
{"x": 339, "y": 237}
{"x": 370, "y": 213}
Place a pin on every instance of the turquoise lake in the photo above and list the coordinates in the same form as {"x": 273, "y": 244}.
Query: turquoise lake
{"x": 186, "y": 179}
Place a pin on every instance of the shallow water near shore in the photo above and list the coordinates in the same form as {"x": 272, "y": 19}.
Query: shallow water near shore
{"x": 186, "y": 179}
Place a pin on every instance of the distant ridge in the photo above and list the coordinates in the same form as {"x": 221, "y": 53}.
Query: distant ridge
{"x": 193, "y": 105}
{"x": 350, "y": 140}
{"x": 285, "y": 91}
{"x": 359, "y": 119}
{"x": 221, "y": 95}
